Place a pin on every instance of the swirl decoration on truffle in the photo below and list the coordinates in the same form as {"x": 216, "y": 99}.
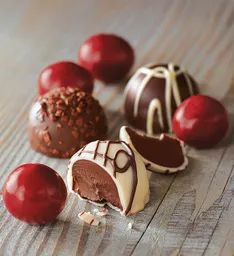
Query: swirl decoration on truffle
{"x": 114, "y": 162}
{"x": 169, "y": 73}
{"x": 117, "y": 157}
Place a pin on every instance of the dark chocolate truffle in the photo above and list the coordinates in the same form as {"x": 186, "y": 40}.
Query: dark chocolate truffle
{"x": 109, "y": 172}
{"x": 153, "y": 94}
{"x": 64, "y": 120}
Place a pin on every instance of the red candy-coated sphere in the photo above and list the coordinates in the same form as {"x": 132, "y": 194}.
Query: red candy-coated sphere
{"x": 200, "y": 121}
{"x": 108, "y": 57}
{"x": 65, "y": 74}
{"x": 34, "y": 193}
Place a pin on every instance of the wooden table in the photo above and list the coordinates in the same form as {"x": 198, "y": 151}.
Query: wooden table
{"x": 190, "y": 213}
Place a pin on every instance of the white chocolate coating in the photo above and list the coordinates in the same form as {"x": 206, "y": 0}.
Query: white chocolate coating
{"x": 128, "y": 183}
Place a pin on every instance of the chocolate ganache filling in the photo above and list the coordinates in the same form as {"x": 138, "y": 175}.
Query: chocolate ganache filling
{"x": 93, "y": 183}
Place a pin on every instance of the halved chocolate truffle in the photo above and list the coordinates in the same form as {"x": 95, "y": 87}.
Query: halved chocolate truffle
{"x": 153, "y": 94}
{"x": 109, "y": 172}
{"x": 64, "y": 120}
{"x": 164, "y": 154}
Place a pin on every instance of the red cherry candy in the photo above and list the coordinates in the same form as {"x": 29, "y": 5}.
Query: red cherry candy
{"x": 65, "y": 74}
{"x": 34, "y": 193}
{"x": 108, "y": 57}
{"x": 200, "y": 121}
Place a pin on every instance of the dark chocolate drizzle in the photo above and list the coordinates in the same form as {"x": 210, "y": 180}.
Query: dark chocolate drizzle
{"x": 117, "y": 169}
{"x": 96, "y": 150}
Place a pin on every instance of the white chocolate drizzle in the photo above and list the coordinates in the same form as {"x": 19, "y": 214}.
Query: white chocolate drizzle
{"x": 171, "y": 88}
{"x": 154, "y": 105}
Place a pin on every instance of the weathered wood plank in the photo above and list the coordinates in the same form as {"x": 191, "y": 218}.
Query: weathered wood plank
{"x": 196, "y": 34}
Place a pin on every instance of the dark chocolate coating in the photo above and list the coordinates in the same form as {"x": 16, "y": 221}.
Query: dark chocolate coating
{"x": 91, "y": 182}
{"x": 155, "y": 89}
{"x": 166, "y": 152}
{"x": 64, "y": 120}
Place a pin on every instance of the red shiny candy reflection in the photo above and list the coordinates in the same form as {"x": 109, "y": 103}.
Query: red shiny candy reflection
{"x": 65, "y": 74}
{"x": 200, "y": 121}
{"x": 107, "y": 56}
{"x": 34, "y": 193}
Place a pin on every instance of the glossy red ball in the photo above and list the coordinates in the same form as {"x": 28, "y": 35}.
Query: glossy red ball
{"x": 34, "y": 193}
{"x": 65, "y": 74}
{"x": 108, "y": 57}
{"x": 200, "y": 121}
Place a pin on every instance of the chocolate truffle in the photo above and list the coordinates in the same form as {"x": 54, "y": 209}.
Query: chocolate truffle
{"x": 109, "y": 172}
{"x": 153, "y": 94}
{"x": 64, "y": 120}
{"x": 164, "y": 154}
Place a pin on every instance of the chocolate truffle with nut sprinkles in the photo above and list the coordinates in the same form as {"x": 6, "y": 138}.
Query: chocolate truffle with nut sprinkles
{"x": 64, "y": 120}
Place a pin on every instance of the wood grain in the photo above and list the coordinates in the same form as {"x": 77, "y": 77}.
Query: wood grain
{"x": 191, "y": 213}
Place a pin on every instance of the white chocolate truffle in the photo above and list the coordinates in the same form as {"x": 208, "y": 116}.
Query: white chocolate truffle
{"x": 109, "y": 172}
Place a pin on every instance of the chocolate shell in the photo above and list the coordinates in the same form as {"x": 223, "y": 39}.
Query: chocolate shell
{"x": 109, "y": 172}
{"x": 153, "y": 94}
{"x": 163, "y": 155}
